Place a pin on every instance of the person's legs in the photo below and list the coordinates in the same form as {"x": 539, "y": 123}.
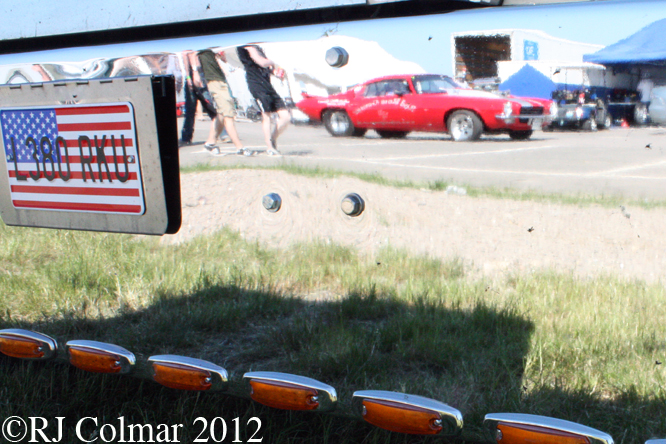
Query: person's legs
{"x": 267, "y": 103}
{"x": 215, "y": 129}
{"x": 226, "y": 110}
{"x": 283, "y": 120}
{"x": 187, "y": 131}
{"x": 274, "y": 103}
{"x": 266, "y": 124}
{"x": 224, "y": 136}
{"x": 230, "y": 126}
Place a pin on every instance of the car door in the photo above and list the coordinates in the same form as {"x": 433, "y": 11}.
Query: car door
{"x": 430, "y": 102}
{"x": 384, "y": 105}
{"x": 397, "y": 107}
{"x": 365, "y": 108}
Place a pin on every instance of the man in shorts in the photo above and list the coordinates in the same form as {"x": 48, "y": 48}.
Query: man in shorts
{"x": 226, "y": 109}
{"x": 258, "y": 70}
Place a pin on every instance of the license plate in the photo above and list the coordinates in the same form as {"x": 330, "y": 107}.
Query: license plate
{"x": 569, "y": 114}
{"x": 81, "y": 158}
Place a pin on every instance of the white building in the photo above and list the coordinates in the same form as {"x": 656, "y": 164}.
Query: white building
{"x": 502, "y": 52}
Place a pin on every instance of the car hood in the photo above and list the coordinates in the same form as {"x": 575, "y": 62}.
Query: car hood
{"x": 487, "y": 95}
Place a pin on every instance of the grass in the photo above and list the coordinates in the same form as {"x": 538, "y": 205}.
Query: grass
{"x": 588, "y": 351}
{"x": 607, "y": 201}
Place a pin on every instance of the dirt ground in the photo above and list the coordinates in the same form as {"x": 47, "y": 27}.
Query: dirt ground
{"x": 492, "y": 237}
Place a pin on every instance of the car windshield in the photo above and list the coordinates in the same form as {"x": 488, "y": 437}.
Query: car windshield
{"x": 434, "y": 84}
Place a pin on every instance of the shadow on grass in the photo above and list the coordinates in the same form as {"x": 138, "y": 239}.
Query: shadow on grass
{"x": 471, "y": 359}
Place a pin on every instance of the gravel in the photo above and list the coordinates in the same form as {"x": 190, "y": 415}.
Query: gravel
{"x": 493, "y": 237}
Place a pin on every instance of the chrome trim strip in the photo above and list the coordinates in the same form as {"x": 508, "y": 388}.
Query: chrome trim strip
{"x": 452, "y": 419}
{"x": 219, "y": 375}
{"x": 49, "y": 344}
{"x": 126, "y": 358}
{"x": 327, "y": 394}
{"x": 595, "y": 436}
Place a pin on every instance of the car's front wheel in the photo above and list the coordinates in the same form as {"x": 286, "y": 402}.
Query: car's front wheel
{"x": 464, "y": 126}
{"x": 520, "y": 135}
{"x": 387, "y": 134}
{"x": 338, "y": 123}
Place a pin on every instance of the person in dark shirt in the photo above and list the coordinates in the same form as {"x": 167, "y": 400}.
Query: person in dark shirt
{"x": 258, "y": 71}
{"x": 224, "y": 102}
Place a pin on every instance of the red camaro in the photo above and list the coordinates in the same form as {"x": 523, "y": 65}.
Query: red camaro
{"x": 395, "y": 105}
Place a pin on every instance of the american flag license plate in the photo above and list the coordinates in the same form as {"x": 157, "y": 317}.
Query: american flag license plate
{"x": 81, "y": 158}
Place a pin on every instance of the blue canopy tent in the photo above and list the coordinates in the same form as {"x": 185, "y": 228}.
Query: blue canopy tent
{"x": 528, "y": 82}
{"x": 641, "y": 54}
{"x": 647, "y": 47}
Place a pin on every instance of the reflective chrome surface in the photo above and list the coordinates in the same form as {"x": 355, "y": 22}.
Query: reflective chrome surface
{"x": 595, "y": 436}
{"x": 48, "y": 346}
{"x": 125, "y": 358}
{"x": 219, "y": 377}
{"x": 326, "y": 396}
{"x": 451, "y": 418}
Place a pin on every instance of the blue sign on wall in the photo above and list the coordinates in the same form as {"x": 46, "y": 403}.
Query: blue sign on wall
{"x": 531, "y": 50}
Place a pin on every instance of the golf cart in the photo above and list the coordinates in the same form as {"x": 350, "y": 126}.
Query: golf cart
{"x": 580, "y": 109}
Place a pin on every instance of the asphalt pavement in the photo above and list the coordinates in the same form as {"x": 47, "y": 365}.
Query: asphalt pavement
{"x": 629, "y": 162}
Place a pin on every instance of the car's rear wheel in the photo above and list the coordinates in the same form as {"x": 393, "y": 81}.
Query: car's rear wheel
{"x": 520, "y": 135}
{"x": 387, "y": 134}
{"x": 590, "y": 124}
{"x": 608, "y": 121}
{"x": 603, "y": 116}
{"x": 339, "y": 124}
{"x": 464, "y": 126}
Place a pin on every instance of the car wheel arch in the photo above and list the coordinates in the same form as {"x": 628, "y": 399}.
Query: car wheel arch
{"x": 464, "y": 125}
{"x": 325, "y": 111}
{"x": 471, "y": 110}
{"x": 342, "y": 125}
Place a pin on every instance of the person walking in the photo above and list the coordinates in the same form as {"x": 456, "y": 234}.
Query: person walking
{"x": 195, "y": 91}
{"x": 217, "y": 85}
{"x": 258, "y": 70}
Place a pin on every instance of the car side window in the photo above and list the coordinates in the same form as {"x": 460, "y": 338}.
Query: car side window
{"x": 423, "y": 86}
{"x": 371, "y": 90}
{"x": 388, "y": 88}
{"x": 400, "y": 87}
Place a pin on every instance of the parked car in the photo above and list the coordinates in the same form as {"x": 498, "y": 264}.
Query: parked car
{"x": 253, "y": 113}
{"x": 395, "y": 105}
{"x": 180, "y": 109}
{"x": 579, "y": 109}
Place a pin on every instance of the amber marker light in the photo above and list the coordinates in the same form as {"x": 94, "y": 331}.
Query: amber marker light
{"x": 99, "y": 357}
{"x": 516, "y": 428}
{"x": 290, "y": 392}
{"x": 399, "y": 412}
{"x": 183, "y": 373}
{"x": 26, "y": 344}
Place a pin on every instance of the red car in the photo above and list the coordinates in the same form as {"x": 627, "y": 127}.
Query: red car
{"x": 395, "y": 105}
{"x": 180, "y": 109}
